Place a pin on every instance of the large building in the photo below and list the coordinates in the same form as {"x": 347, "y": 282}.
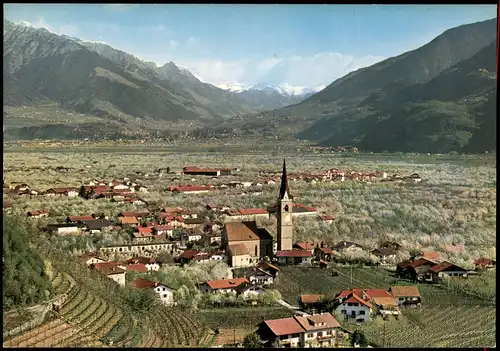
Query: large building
{"x": 284, "y": 210}
{"x": 246, "y": 243}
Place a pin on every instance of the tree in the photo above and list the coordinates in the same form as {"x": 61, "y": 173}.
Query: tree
{"x": 252, "y": 341}
{"x": 168, "y": 169}
{"x": 82, "y": 192}
{"x": 358, "y": 338}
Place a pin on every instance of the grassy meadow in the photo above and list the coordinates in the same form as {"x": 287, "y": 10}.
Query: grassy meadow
{"x": 455, "y": 204}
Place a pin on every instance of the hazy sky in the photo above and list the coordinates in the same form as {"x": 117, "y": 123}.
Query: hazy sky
{"x": 302, "y": 45}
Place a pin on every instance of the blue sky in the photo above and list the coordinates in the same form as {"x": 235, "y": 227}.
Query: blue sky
{"x": 302, "y": 45}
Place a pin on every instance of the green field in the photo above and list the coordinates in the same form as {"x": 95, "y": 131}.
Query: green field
{"x": 448, "y": 318}
{"x": 246, "y": 318}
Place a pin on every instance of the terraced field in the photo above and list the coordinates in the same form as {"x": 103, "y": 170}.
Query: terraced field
{"x": 87, "y": 320}
{"x": 294, "y": 281}
{"x": 447, "y": 319}
{"x": 437, "y": 326}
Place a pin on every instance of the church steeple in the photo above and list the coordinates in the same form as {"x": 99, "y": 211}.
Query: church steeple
{"x": 284, "y": 191}
{"x": 284, "y": 214}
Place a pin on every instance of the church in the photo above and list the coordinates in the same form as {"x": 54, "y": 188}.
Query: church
{"x": 246, "y": 244}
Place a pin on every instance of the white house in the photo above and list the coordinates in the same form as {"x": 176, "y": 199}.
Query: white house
{"x": 91, "y": 259}
{"x": 301, "y": 331}
{"x": 165, "y": 293}
{"x": 354, "y": 306}
{"x": 249, "y": 290}
{"x": 260, "y": 277}
{"x": 150, "y": 263}
{"x": 64, "y": 229}
{"x": 112, "y": 270}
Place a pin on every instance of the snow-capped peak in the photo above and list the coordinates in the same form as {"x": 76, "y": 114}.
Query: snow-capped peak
{"x": 233, "y": 87}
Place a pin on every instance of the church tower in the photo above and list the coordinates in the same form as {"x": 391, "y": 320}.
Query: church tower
{"x": 284, "y": 214}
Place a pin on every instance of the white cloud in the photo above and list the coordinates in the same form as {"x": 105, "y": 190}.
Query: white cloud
{"x": 192, "y": 41}
{"x": 303, "y": 71}
{"x": 172, "y": 44}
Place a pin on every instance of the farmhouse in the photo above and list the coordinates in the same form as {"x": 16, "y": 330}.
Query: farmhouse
{"x": 326, "y": 219}
{"x": 258, "y": 241}
{"x": 294, "y": 257}
{"x": 269, "y": 268}
{"x": 406, "y": 296}
{"x": 354, "y": 304}
{"x": 323, "y": 252}
{"x": 136, "y": 267}
{"x": 306, "y": 246}
{"x": 484, "y": 263}
{"x": 416, "y": 270}
{"x": 222, "y": 285}
{"x": 78, "y": 219}
{"x": 63, "y": 229}
{"x": 91, "y": 259}
{"x": 257, "y": 276}
{"x": 38, "y": 213}
{"x": 165, "y": 293}
{"x": 347, "y": 246}
{"x": 390, "y": 245}
{"x": 429, "y": 255}
{"x": 317, "y": 329}
{"x": 163, "y": 229}
{"x": 385, "y": 254}
{"x": 70, "y": 192}
{"x": 248, "y": 290}
{"x": 443, "y": 269}
{"x": 112, "y": 270}
{"x": 150, "y": 263}
{"x": 97, "y": 225}
{"x": 193, "y": 223}
{"x": 129, "y": 221}
{"x": 191, "y": 235}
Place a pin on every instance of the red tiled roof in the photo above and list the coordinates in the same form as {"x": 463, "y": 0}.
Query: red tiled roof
{"x": 356, "y": 299}
{"x": 226, "y": 283}
{"x": 284, "y": 326}
{"x": 38, "y": 212}
{"x": 327, "y": 250}
{"x": 430, "y": 255}
{"x": 252, "y": 211}
{"x": 318, "y": 321}
{"x": 137, "y": 267}
{"x": 444, "y": 266}
{"x": 293, "y": 253}
{"x": 306, "y": 245}
{"x": 327, "y": 218}
{"x": 310, "y": 298}
{"x": 128, "y": 220}
{"x": 189, "y": 254}
{"x": 108, "y": 268}
{"x": 420, "y": 262}
{"x": 141, "y": 283}
{"x": 402, "y": 291}
{"x": 483, "y": 261}
{"x": 146, "y": 230}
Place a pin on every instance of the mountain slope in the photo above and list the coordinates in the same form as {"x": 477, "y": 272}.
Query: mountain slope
{"x": 416, "y": 66}
{"x": 455, "y": 111}
{"x": 98, "y": 80}
{"x": 347, "y": 110}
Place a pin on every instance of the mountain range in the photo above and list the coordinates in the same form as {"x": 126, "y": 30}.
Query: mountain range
{"x": 440, "y": 97}
{"x": 131, "y": 97}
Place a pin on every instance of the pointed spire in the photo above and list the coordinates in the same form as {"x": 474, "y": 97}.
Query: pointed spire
{"x": 284, "y": 183}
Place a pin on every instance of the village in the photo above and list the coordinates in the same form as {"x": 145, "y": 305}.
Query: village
{"x": 255, "y": 258}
